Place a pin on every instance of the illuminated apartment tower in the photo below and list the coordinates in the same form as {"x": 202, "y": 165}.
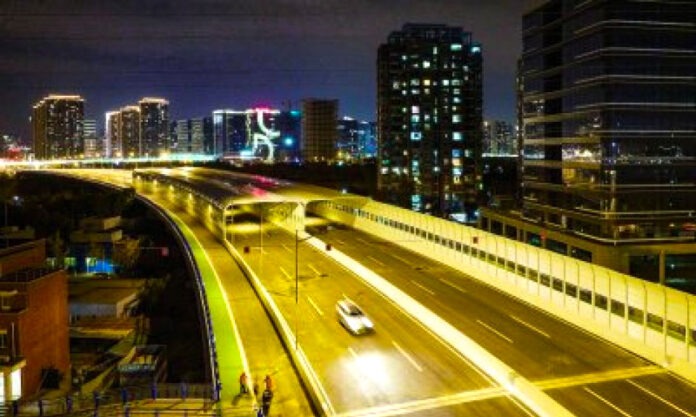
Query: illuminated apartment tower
{"x": 112, "y": 147}
{"x": 429, "y": 119}
{"x": 319, "y": 133}
{"x": 154, "y": 126}
{"x": 609, "y": 119}
{"x": 57, "y": 124}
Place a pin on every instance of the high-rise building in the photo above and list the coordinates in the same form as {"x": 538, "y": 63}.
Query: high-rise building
{"x": 129, "y": 132}
{"x": 92, "y": 145}
{"x": 498, "y": 138}
{"x": 261, "y": 134}
{"x": 348, "y": 141}
{"x": 112, "y": 146}
{"x": 429, "y": 115}
{"x": 190, "y": 135}
{"x": 57, "y": 124}
{"x": 356, "y": 139}
{"x": 154, "y": 126}
{"x": 289, "y": 124}
{"x": 609, "y": 134}
{"x": 319, "y": 121}
{"x": 229, "y": 131}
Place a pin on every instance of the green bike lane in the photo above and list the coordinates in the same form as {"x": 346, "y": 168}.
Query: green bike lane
{"x": 244, "y": 336}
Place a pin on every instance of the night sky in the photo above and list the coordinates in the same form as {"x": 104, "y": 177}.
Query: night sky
{"x": 209, "y": 54}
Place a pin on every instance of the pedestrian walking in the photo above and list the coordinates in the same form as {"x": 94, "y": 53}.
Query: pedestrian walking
{"x": 243, "y": 383}
{"x": 256, "y": 387}
{"x": 266, "y": 399}
{"x": 268, "y": 382}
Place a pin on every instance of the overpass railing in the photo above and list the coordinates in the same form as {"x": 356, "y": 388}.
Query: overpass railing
{"x": 202, "y": 299}
{"x": 648, "y": 318}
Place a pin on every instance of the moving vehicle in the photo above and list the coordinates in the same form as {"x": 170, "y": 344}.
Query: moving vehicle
{"x": 352, "y": 317}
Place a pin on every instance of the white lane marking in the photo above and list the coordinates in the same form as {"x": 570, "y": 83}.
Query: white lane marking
{"x": 529, "y": 326}
{"x": 316, "y": 271}
{"x": 494, "y": 330}
{"x": 321, "y": 313}
{"x": 340, "y": 242}
{"x": 363, "y": 241}
{"x": 287, "y": 248}
{"x": 352, "y": 352}
{"x": 428, "y": 290}
{"x": 647, "y": 391}
{"x": 408, "y": 357}
{"x": 453, "y": 285}
{"x": 404, "y": 260}
{"x": 287, "y": 275}
{"x": 605, "y": 401}
{"x": 377, "y": 261}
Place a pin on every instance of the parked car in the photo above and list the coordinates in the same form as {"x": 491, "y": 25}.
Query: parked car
{"x": 352, "y": 317}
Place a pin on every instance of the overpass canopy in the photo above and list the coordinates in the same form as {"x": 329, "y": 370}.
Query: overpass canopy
{"x": 226, "y": 188}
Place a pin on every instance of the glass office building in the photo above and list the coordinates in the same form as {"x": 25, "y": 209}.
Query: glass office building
{"x": 609, "y": 111}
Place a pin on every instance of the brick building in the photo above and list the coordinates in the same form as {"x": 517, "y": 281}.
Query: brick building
{"x": 33, "y": 320}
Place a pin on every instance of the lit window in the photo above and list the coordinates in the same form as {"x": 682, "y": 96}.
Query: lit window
{"x": 414, "y": 109}
{"x": 434, "y": 50}
{"x": 426, "y": 64}
{"x": 456, "y": 153}
{"x": 415, "y": 118}
{"x": 426, "y": 82}
{"x": 416, "y": 136}
{"x": 456, "y": 171}
{"x": 456, "y": 100}
{"x": 415, "y": 81}
{"x": 415, "y": 91}
{"x": 445, "y": 82}
{"x": 395, "y": 85}
{"x": 457, "y": 136}
{"x": 456, "y": 47}
{"x": 456, "y": 118}
{"x": 475, "y": 49}
{"x": 456, "y": 82}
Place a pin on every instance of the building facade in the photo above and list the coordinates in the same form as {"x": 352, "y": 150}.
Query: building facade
{"x": 33, "y": 321}
{"x": 92, "y": 146}
{"x": 190, "y": 136}
{"x": 229, "y": 131}
{"x": 57, "y": 125}
{"x": 429, "y": 117}
{"x": 609, "y": 134}
{"x": 356, "y": 140}
{"x": 319, "y": 134}
{"x": 499, "y": 138}
{"x": 154, "y": 126}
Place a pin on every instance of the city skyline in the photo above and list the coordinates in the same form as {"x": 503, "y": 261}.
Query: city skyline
{"x": 96, "y": 51}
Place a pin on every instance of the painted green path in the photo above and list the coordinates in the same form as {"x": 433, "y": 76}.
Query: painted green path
{"x": 230, "y": 352}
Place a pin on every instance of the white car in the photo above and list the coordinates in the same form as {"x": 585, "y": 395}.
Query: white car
{"x": 352, "y": 318}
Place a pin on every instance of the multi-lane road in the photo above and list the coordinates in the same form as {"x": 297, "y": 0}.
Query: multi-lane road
{"x": 404, "y": 369}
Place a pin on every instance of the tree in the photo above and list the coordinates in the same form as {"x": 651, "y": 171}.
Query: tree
{"x": 126, "y": 252}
